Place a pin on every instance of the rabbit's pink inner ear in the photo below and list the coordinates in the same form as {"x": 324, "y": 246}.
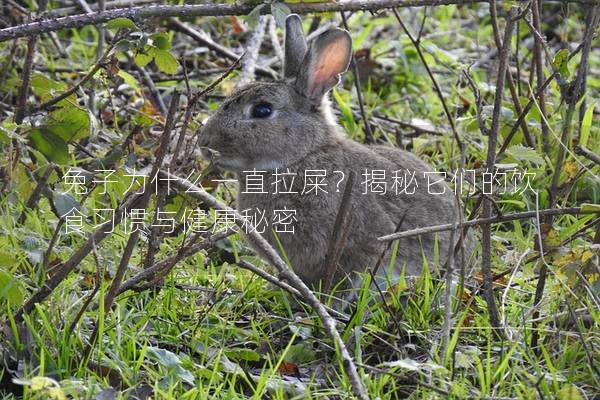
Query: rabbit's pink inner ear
{"x": 332, "y": 60}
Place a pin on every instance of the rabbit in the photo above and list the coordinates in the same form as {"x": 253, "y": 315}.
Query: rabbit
{"x": 287, "y": 126}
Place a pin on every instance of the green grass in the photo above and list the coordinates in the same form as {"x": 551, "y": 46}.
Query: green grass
{"x": 214, "y": 330}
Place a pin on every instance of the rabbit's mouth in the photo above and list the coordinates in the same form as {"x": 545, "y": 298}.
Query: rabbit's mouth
{"x": 218, "y": 160}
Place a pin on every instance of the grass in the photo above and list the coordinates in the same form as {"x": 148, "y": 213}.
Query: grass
{"x": 214, "y": 330}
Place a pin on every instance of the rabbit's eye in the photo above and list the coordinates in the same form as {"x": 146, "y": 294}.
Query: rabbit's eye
{"x": 261, "y": 110}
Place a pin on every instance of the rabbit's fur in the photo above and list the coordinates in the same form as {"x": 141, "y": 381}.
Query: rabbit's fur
{"x": 301, "y": 134}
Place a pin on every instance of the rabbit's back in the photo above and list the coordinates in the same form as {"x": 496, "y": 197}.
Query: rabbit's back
{"x": 373, "y": 212}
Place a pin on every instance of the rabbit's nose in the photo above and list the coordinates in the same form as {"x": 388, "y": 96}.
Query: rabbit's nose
{"x": 204, "y": 139}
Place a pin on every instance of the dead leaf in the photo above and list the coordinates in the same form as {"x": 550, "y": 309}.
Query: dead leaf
{"x": 288, "y": 368}
{"x": 571, "y": 169}
{"x": 237, "y": 24}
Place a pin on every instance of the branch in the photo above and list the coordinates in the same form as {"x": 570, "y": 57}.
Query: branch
{"x": 369, "y": 138}
{"x": 162, "y": 151}
{"x": 252, "y": 47}
{"x": 60, "y": 12}
{"x": 492, "y": 220}
{"x": 191, "y": 107}
{"x": 486, "y": 259}
{"x": 141, "y": 13}
{"x": 205, "y": 40}
{"x": 590, "y": 155}
{"x": 113, "y": 290}
{"x": 509, "y": 79}
{"x": 271, "y": 255}
{"x": 436, "y": 86}
{"x": 93, "y": 240}
{"x": 538, "y": 64}
{"x": 163, "y": 267}
{"x": 99, "y": 64}
{"x": 37, "y": 192}
{"x": 25, "y": 78}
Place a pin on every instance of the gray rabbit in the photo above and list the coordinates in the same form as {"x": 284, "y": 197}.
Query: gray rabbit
{"x": 268, "y": 131}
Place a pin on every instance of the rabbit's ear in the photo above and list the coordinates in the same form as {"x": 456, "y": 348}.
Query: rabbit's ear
{"x": 328, "y": 57}
{"x": 295, "y": 46}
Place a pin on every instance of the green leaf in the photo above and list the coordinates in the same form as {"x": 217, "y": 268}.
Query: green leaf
{"x": 522, "y": 153}
{"x": 70, "y": 123}
{"x": 348, "y": 117}
{"x": 46, "y": 89}
{"x": 10, "y": 289}
{"x": 142, "y": 59}
{"x": 172, "y": 362}
{"x": 569, "y": 392}
{"x": 242, "y": 354}
{"x": 165, "y": 61}
{"x": 130, "y": 80}
{"x": 590, "y": 208}
{"x": 52, "y": 146}
{"x": 64, "y": 203}
{"x": 164, "y": 357}
{"x": 252, "y": 17}
{"x": 280, "y": 11}
{"x": 119, "y": 23}
{"x": 561, "y": 62}
{"x": 123, "y": 45}
{"x": 47, "y": 388}
{"x": 586, "y": 125}
{"x": 161, "y": 40}
{"x": 7, "y": 258}
{"x": 301, "y": 353}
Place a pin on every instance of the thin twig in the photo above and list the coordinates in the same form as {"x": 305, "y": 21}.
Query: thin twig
{"x": 538, "y": 61}
{"x": 252, "y": 48}
{"x": 162, "y": 11}
{"x": 509, "y": 79}
{"x": 532, "y": 102}
{"x": 524, "y": 113}
{"x": 590, "y": 155}
{"x": 90, "y": 297}
{"x": 163, "y": 267}
{"x": 115, "y": 285}
{"x": 69, "y": 265}
{"x": 436, "y": 86}
{"x": 37, "y": 192}
{"x": 160, "y": 103}
{"x": 571, "y": 98}
{"x": 99, "y": 64}
{"x": 369, "y": 138}
{"x": 25, "y": 77}
{"x": 491, "y": 220}
{"x": 194, "y": 99}
{"x": 204, "y": 39}
{"x": 283, "y": 285}
{"x": 486, "y": 262}
{"x": 589, "y": 354}
{"x": 60, "y": 12}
